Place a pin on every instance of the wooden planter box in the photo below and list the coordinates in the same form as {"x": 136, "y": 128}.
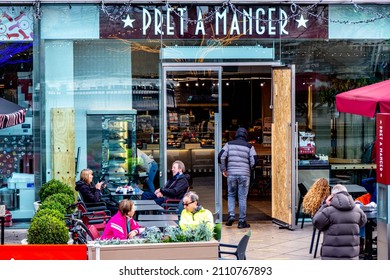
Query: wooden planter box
{"x": 156, "y": 251}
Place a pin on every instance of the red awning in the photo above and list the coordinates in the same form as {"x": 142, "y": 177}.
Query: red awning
{"x": 11, "y": 114}
{"x": 366, "y": 100}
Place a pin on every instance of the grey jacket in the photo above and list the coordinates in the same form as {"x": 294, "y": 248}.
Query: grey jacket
{"x": 340, "y": 222}
{"x": 237, "y": 157}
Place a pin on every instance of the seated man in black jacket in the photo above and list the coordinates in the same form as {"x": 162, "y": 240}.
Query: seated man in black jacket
{"x": 176, "y": 187}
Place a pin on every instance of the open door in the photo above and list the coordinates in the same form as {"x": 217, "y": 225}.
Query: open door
{"x": 283, "y": 147}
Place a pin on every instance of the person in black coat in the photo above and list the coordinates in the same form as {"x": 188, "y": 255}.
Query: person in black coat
{"x": 175, "y": 187}
{"x": 92, "y": 193}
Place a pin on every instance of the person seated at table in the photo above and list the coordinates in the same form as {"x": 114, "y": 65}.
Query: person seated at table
{"x": 340, "y": 219}
{"x": 150, "y": 166}
{"x": 193, "y": 213}
{"x": 122, "y": 225}
{"x": 92, "y": 193}
{"x": 174, "y": 188}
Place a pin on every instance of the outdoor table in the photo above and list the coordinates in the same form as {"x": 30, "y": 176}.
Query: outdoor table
{"x": 144, "y": 202}
{"x": 147, "y": 208}
{"x": 134, "y": 195}
{"x": 158, "y": 217}
{"x": 159, "y": 224}
{"x": 355, "y": 190}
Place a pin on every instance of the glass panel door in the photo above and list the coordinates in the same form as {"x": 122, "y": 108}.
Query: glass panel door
{"x": 191, "y": 126}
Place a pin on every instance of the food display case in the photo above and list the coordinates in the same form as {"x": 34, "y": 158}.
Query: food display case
{"x": 114, "y": 134}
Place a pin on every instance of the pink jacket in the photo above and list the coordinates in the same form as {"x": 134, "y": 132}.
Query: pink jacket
{"x": 116, "y": 227}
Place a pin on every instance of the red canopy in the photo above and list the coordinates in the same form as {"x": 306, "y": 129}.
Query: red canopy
{"x": 364, "y": 101}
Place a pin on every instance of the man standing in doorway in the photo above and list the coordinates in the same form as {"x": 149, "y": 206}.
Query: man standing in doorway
{"x": 236, "y": 159}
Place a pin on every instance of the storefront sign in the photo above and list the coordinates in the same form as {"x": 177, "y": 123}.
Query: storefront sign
{"x": 191, "y": 22}
{"x": 383, "y": 148}
{"x": 16, "y": 23}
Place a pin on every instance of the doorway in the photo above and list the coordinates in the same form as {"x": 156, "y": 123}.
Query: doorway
{"x": 195, "y": 99}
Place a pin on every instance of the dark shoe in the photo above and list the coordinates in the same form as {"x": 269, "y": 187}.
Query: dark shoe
{"x": 243, "y": 224}
{"x": 230, "y": 221}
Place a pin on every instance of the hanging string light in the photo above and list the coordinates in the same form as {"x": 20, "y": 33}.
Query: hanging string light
{"x": 117, "y": 13}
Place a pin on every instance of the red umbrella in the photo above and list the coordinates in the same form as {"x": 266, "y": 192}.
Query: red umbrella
{"x": 11, "y": 113}
{"x": 365, "y": 101}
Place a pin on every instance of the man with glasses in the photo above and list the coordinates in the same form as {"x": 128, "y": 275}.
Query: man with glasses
{"x": 193, "y": 213}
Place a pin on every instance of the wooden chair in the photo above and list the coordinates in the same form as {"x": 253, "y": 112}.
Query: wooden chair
{"x": 240, "y": 248}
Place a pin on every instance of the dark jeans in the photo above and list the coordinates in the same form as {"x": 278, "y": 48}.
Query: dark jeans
{"x": 150, "y": 196}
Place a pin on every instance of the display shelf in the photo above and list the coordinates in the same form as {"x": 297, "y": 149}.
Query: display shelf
{"x": 118, "y": 145}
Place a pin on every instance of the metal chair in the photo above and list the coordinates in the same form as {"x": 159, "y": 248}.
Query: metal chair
{"x": 240, "y": 248}
{"x": 94, "y": 215}
{"x": 302, "y": 192}
{"x": 94, "y": 232}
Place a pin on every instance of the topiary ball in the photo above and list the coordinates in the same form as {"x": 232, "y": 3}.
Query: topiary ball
{"x": 54, "y": 186}
{"x": 52, "y": 204}
{"x": 49, "y": 212}
{"x": 64, "y": 199}
{"x": 47, "y": 229}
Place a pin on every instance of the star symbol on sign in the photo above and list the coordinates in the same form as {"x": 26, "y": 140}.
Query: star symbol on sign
{"x": 128, "y": 22}
{"x": 302, "y": 21}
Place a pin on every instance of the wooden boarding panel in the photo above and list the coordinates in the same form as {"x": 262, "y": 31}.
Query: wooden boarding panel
{"x": 63, "y": 143}
{"x": 281, "y": 146}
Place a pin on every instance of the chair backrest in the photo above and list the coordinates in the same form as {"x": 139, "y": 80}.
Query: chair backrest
{"x": 241, "y": 247}
{"x": 302, "y": 189}
{"x": 94, "y": 232}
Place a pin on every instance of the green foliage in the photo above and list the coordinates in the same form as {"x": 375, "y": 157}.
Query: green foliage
{"x": 171, "y": 234}
{"x": 64, "y": 199}
{"x": 49, "y": 212}
{"x": 47, "y": 229}
{"x": 53, "y": 187}
{"x": 152, "y": 235}
{"x": 174, "y": 234}
{"x": 53, "y": 204}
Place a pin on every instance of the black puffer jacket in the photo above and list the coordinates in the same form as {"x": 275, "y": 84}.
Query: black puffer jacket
{"x": 340, "y": 222}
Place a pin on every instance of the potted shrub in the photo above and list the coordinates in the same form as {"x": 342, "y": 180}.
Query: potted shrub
{"x": 47, "y": 229}
{"x": 55, "y": 186}
{"x": 62, "y": 198}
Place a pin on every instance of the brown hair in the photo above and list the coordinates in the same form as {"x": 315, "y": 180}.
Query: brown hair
{"x": 316, "y": 195}
{"x": 125, "y": 206}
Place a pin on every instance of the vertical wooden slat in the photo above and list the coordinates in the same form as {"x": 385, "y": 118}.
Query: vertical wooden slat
{"x": 63, "y": 144}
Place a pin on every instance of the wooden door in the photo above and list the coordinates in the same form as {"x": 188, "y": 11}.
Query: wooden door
{"x": 283, "y": 151}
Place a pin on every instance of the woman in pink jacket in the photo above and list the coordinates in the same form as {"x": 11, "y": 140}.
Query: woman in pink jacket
{"x": 122, "y": 225}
